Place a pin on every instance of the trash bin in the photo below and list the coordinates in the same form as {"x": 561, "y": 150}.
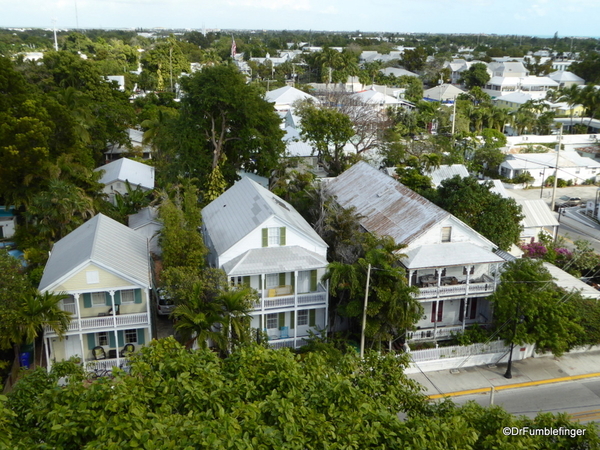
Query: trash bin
{"x": 24, "y": 358}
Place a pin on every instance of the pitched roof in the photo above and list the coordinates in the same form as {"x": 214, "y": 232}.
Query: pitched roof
{"x": 371, "y": 96}
{"x": 563, "y": 76}
{"x": 442, "y": 92}
{"x": 143, "y": 217}
{"x": 287, "y": 95}
{"x": 445, "y": 172}
{"x": 537, "y": 214}
{"x": 245, "y": 206}
{"x": 388, "y": 207}
{"x": 274, "y": 260}
{"x": 101, "y": 241}
{"x": 125, "y": 169}
{"x": 448, "y": 254}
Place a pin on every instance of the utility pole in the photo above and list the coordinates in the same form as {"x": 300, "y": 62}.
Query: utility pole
{"x": 55, "y": 41}
{"x": 508, "y": 373}
{"x": 556, "y": 169}
{"x": 364, "y": 318}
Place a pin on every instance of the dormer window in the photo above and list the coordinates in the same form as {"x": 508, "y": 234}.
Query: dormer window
{"x": 446, "y": 234}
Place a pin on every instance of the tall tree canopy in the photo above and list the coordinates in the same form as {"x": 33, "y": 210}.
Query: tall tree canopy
{"x": 496, "y": 218}
{"x": 224, "y": 119}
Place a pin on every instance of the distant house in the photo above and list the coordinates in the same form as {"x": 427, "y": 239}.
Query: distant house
{"x": 123, "y": 170}
{"x": 454, "y": 267}
{"x": 8, "y": 221}
{"x": 285, "y": 97}
{"x": 398, "y": 72}
{"x": 536, "y": 86}
{"x": 445, "y": 172}
{"x": 261, "y": 241}
{"x": 538, "y": 218}
{"x": 136, "y": 138}
{"x": 146, "y": 223}
{"x": 566, "y": 79}
{"x": 103, "y": 267}
{"x": 444, "y": 93}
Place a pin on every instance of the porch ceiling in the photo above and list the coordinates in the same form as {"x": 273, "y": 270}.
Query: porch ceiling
{"x": 448, "y": 254}
{"x": 274, "y": 260}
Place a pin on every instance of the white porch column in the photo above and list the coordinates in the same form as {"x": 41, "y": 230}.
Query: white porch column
{"x": 148, "y": 312}
{"x": 48, "y": 362}
{"x": 80, "y": 337}
{"x": 466, "y": 297}
{"x": 295, "y": 307}
{"x": 77, "y": 310}
{"x": 114, "y": 316}
{"x": 410, "y": 273}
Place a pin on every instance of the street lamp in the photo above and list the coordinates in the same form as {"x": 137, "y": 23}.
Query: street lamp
{"x": 543, "y": 175}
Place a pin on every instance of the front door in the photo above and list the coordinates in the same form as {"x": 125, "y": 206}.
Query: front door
{"x": 72, "y": 347}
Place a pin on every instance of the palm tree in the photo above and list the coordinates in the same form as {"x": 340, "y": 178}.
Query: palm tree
{"x": 236, "y": 305}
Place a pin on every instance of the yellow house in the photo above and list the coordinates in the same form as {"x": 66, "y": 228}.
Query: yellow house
{"x": 104, "y": 268}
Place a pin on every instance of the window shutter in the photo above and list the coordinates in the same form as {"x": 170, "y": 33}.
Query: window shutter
{"x": 281, "y": 319}
{"x": 313, "y": 280}
{"x": 292, "y": 319}
{"x": 433, "y": 309}
{"x": 117, "y": 297}
{"x": 137, "y": 293}
{"x": 461, "y": 313}
{"x": 473, "y": 308}
{"x": 440, "y": 313}
{"x": 282, "y": 279}
{"x": 260, "y": 283}
{"x": 282, "y": 236}
{"x": 446, "y": 234}
{"x": 87, "y": 300}
{"x": 107, "y": 298}
{"x": 293, "y": 282}
{"x": 312, "y": 317}
{"x": 91, "y": 338}
{"x": 265, "y": 237}
{"x": 120, "y": 338}
{"x": 111, "y": 339}
{"x": 141, "y": 336}
{"x": 246, "y": 281}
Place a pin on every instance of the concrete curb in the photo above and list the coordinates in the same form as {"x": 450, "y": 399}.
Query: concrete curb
{"x": 513, "y": 386}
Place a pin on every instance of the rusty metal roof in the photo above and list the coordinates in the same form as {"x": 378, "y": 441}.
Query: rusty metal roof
{"x": 389, "y": 208}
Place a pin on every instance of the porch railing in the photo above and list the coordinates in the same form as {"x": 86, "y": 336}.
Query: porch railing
{"x": 431, "y": 354}
{"x": 455, "y": 290}
{"x": 431, "y": 333}
{"x": 310, "y": 298}
{"x": 288, "y": 343}
{"x": 99, "y": 323}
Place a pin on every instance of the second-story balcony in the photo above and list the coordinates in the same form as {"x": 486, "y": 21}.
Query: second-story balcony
{"x": 283, "y": 298}
{"x": 451, "y": 286}
{"x": 103, "y": 322}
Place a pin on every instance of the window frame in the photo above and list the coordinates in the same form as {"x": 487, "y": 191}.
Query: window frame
{"x": 102, "y": 338}
{"x": 272, "y": 321}
{"x": 129, "y": 292}
{"x": 95, "y": 297}
{"x": 274, "y": 236}
{"x": 127, "y": 338}
{"x": 302, "y": 318}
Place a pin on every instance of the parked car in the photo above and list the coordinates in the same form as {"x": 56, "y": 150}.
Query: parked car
{"x": 165, "y": 304}
{"x": 573, "y": 201}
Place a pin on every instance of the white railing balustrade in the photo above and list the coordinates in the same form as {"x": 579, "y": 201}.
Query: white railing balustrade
{"x": 310, "y": 298}
{"x": 99, "y": 323}
{"x": 431, "y": 333}
{"x": 287, "y": 343}
{"x": 454, "y": 290}
{"x": 431, "y": 354}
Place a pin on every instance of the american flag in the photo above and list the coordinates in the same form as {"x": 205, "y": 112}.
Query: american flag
{"x": 233, "y": 47}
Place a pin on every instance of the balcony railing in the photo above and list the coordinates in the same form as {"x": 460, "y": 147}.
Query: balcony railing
{"x": 288, "y": 343}
{"x": 456, "y": 290}
{"x": 100, "y": 323}
{"x": 285, "y": 301}
{"x": 431, "y": 333}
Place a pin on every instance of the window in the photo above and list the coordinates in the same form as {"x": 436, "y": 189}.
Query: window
{"x": 272, "y": 321}
{"x": 446, "y": 234}
{"x": 272, "y": 280}
{"x": 92, "y": 277}
{"x": 437, "y": 316}
{"x": 98, "y": 299}
{"x": 102, "y": 338}
{"x": 303, "y": 317}
{"x": 273, "y": 237}
{"x": 127, "y": 296}
{"x": 130, "y": 336}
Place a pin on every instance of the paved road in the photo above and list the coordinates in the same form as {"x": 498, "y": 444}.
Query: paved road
{"x": 580, "y": 399}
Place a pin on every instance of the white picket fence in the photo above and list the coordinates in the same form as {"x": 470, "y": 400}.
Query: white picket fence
{"x": 457, "y": 351}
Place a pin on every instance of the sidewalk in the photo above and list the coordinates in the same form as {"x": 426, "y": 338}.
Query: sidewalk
{"x": 528, "y": 372}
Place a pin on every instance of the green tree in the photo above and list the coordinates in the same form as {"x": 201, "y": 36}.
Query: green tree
{"x": 328, "y": 130}
{"x": 166, "y": 62}
{"x": 529, "y": 308}
{"x": 414, "y": 60}
{"x": 476, "y": 76}
{"x": 496, "y": 218}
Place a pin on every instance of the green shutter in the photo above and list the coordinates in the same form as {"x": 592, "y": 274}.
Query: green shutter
{"x": 87, "y": 300}
{"x": 246, "y": 281}
{"x": 282, "y": 279}
{"x": 293, "y": 282}
{"x": 292, "y": 320}
{"x": 107, "y": 299}
{"x": 141, "y": 336}
{"x": 137, "y": 295}
{"x": 312, "y": 317}
{"x": 282, "y": 236}
{"x": 265, "y": 237}
{"x": 313, "y": 280}
{"x": 117, "y": 297}
{"x": 281, "y": 320}
{"x": 120, "y": 338}
{"x": 91, "y": 341}
{"x": 111, "y": 339}
{"x": 260, "y": 283}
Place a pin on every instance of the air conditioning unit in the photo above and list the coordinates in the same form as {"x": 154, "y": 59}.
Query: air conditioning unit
{"x": 592, "y": 137}
{"x": 525, "y": 138}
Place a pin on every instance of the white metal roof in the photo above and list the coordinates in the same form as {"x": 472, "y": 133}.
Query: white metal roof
{"x": 537, "y": 214}
{"x": 534, "y": 161}
{"x": 274, "y": 260}
{"x": 102, "y": 241}
{"x": 448, "y": 254}
{"x": 287, "y": 95}
{"x": 442, "y": 92}
{"x": 245, "y": 206}
{"x": 143, "y": 217}
{"x": 125, "y": 169}
{"x": 445, "y": 172}
{"x": 570, "y": 283}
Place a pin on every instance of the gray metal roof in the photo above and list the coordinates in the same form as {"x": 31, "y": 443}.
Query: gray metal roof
{"x": 387, "y": 206}
{"x": 444, "y": 172}
{"x": 537, "y": 214}
{"x": 245, "y": 206}
{"x": 570, "y": 283}
{"x": 448, "y": 254}
{"x": 274, "y": 260}
{"x": 143, "y": 217}
{"x": 102, "y": 241}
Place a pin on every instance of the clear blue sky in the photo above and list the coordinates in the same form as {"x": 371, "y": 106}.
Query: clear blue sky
{"x": 520, "y": 17}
